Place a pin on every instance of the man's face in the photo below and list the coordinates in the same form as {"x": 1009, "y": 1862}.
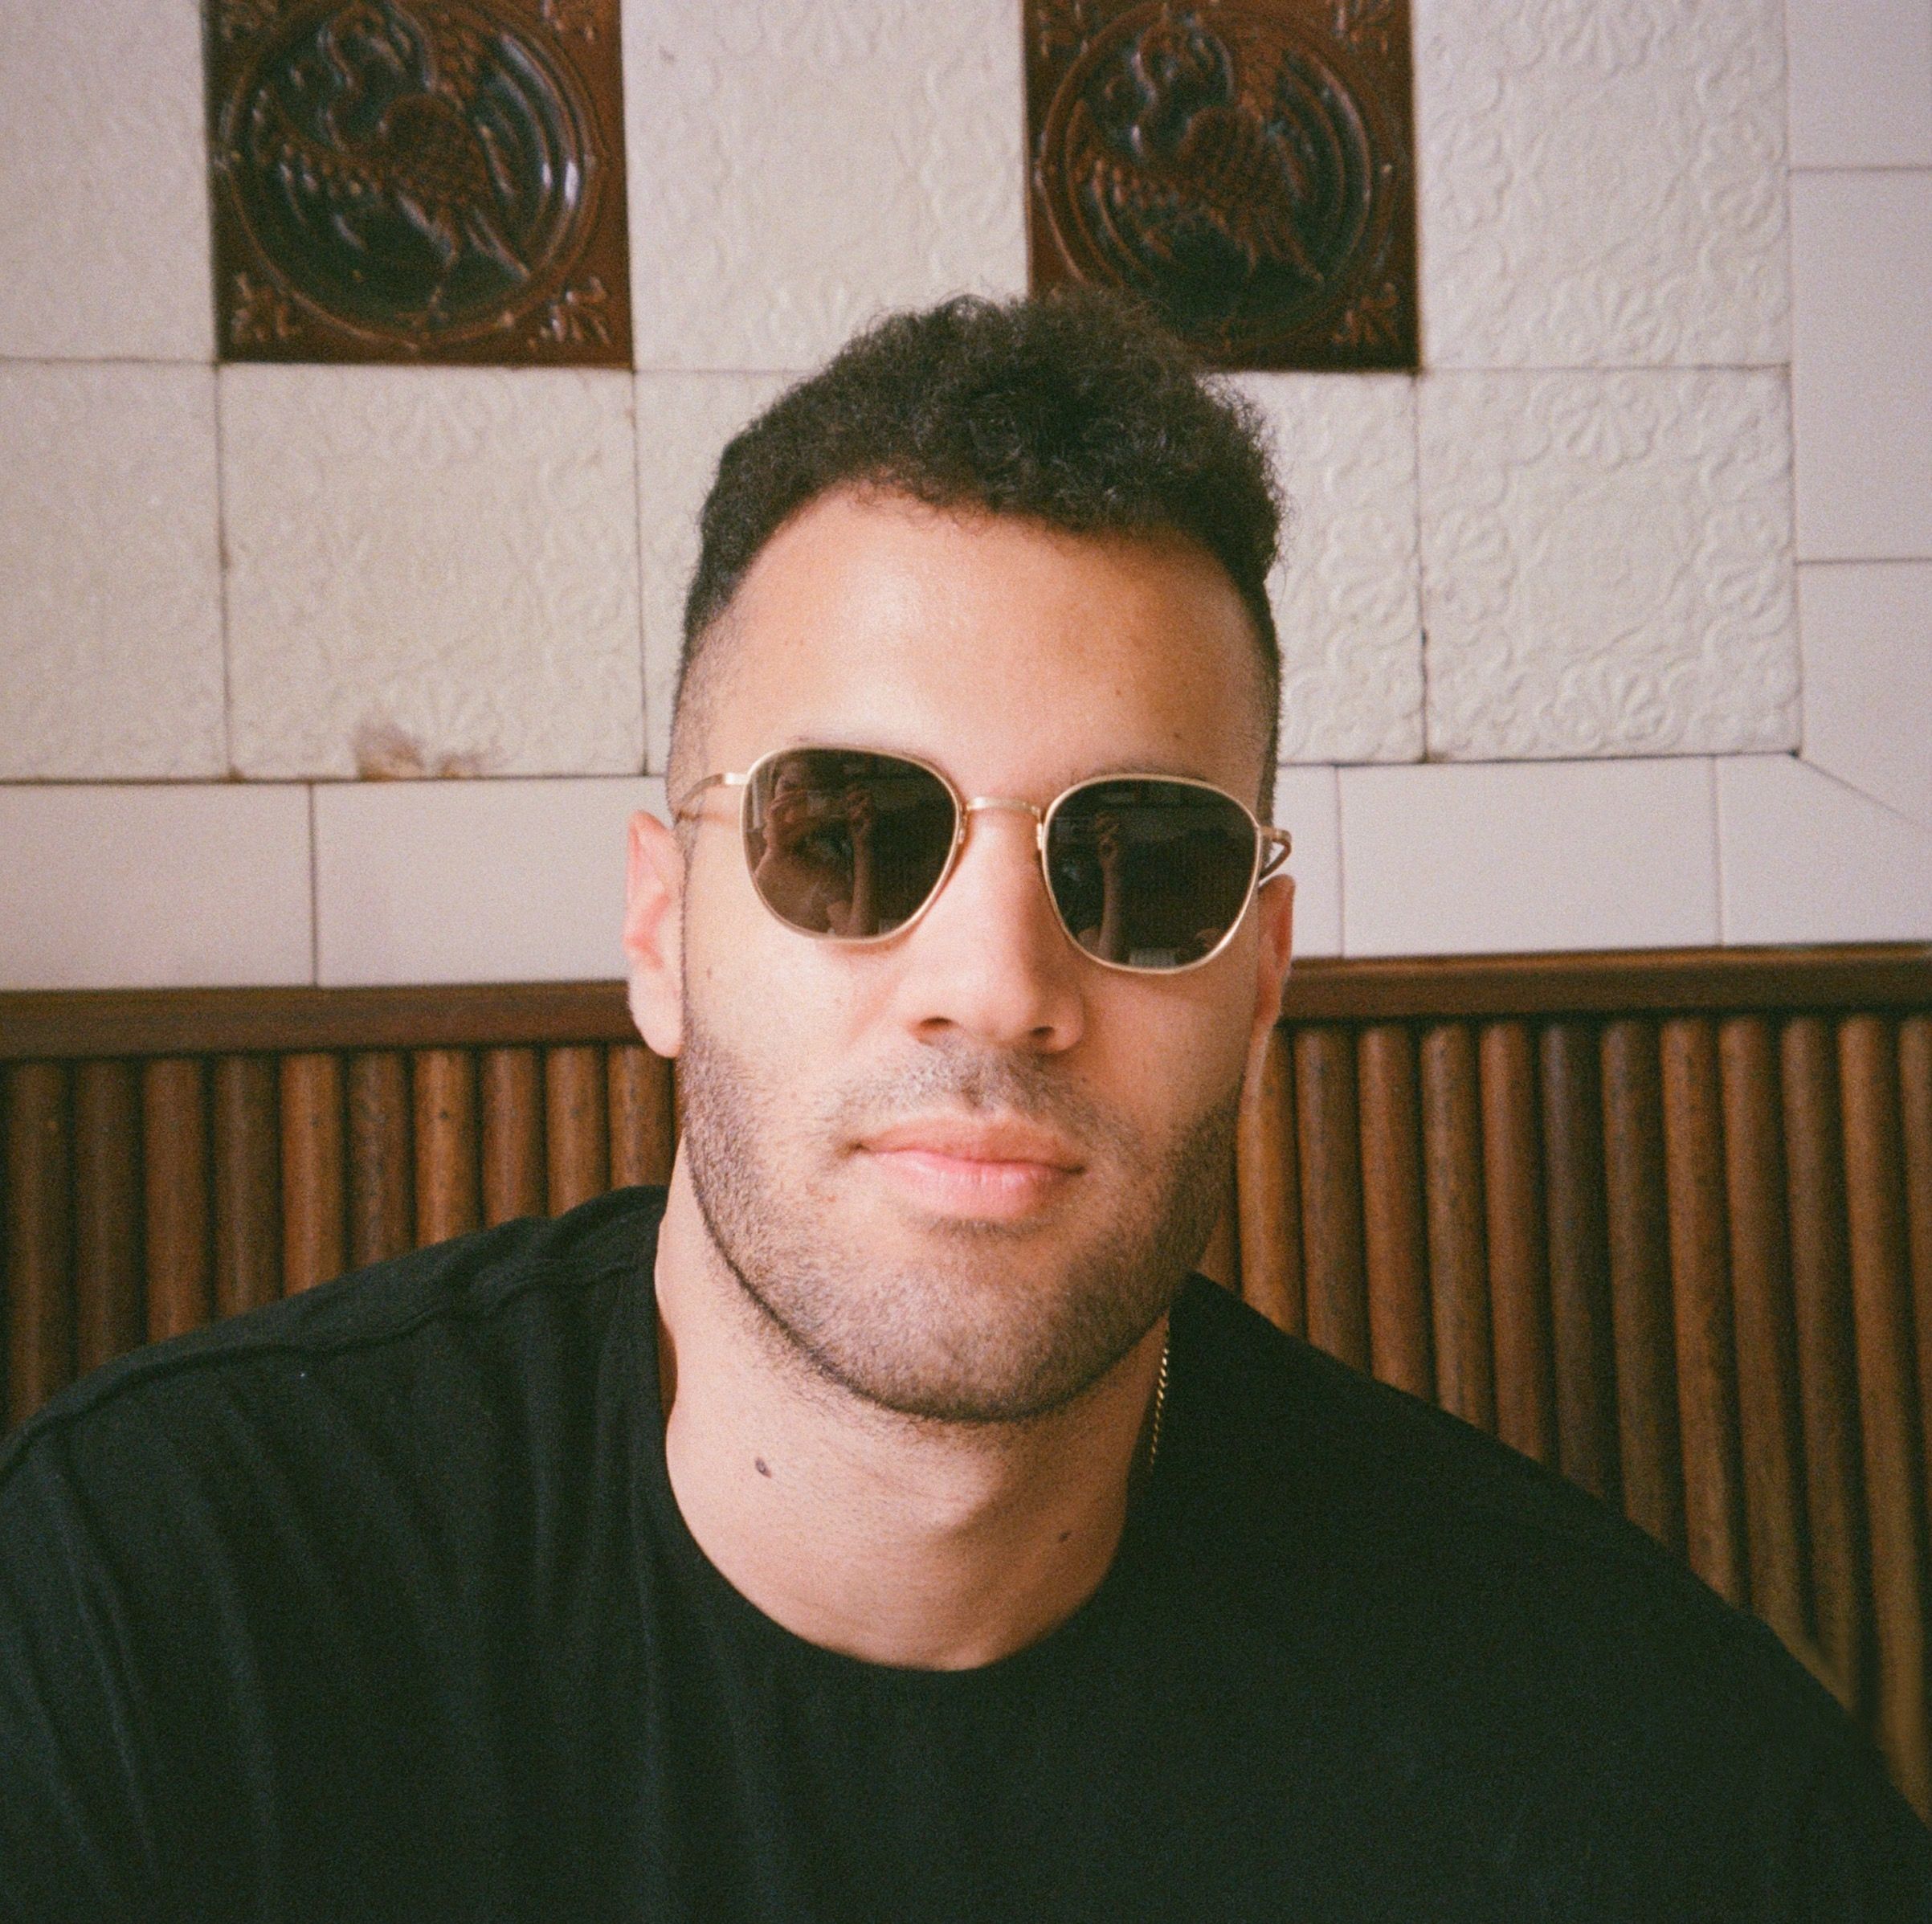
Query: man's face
{"x": 964, "y": 1169}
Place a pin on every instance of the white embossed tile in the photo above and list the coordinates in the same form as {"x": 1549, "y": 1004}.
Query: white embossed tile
{"x": 1607, "y": 563}
{"x": 1868, "y": 678}
{"x": 1602, "y": 182}
{"x": 1495, "y": 857}
{"x": 110, "y": 615}
{"x": 1345, "y": 592}
{"x": 1861, "y": 363}
{"x": 473, "y": 881}
{"x": 683, "y": 423}
{"x": 177, "y": 884}
{"x": 1307, "y": 806}
{"x": 797, "y": 167}
{"x": 1808, "y": 859}
{"x": 103, "y": 205}
{"x": 432, "y": 571}
{"x": 1861, "y": 82}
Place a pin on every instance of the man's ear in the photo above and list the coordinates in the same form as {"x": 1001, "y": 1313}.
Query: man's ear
{"x": 1275, "y": 919}
{"x": 654, "y": 917}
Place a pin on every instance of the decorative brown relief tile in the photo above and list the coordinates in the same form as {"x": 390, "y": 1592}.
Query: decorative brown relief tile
{"x": 419, "y": 180}
{"x": 1246, "y": 165}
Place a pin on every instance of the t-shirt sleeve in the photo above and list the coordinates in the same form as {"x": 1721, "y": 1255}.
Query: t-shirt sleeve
{"x": 76, "y": 1824}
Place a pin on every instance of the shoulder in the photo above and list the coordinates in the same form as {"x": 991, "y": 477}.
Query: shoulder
{"x": 1450, "y": 1564}
{"x": 441, "y": 1313}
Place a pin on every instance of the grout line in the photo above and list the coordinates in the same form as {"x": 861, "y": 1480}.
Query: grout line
{"x": 222, "y": 582}
{"x": 1851, "y": 788}
{"x": 1923, "y": 167}
{"x": 1865, "y": 561}
{"x": 637, "y": 534}
{"x": 1421, "y": 580}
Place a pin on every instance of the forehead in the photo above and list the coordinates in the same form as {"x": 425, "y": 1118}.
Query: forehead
{"x": 1015, "y": 655}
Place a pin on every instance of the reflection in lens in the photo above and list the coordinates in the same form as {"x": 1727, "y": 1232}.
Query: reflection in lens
{"x": 847, "y": 843}
{"x": 1147, "y": 873}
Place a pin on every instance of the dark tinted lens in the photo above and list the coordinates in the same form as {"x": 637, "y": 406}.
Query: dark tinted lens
{"x": 1150, "y": 874}
{"x": 843, "y": 843}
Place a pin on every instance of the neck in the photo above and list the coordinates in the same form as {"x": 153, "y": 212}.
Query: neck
{"x": 898, "y": 1540}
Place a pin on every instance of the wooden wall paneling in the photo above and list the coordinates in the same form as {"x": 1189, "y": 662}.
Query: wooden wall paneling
{"x": 247, "y": 1184}
{"x": 1329, "y": 1146}
{"x": 1458, "y": 1257}
{"x": 1699, "y": 1262}
{"x": 1649, "y": 1444}
{"x": 577, "y": 1125}
{"x": 1827, "y": 1376}
{"x": 175, "y": 1172}
{"x": 1269, "y": 1178}
{"x": 1519, "y": 1278}
{"x": 314, "y": 1189}
{"x": 110, "y": 1310}
{"x": 1579, "y": 1257}
{"x": 445, "y": 1089}
{"x": 510, "y": 1093}
{"x": 1770, "y": 1427}
{"x": 643, "y": 1141}
{"x": 1887, "y": 1370}
{"x": 381, "y": 1157}
{"x": 1915, "y": 1126}
{"x": 39, "y": 1247}
{"x": 1394, "y": 1228}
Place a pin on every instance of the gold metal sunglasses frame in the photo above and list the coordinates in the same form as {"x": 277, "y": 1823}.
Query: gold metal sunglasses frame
{"x": 1272, "y": 845}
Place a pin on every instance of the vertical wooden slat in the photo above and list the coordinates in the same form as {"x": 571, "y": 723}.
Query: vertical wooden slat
{"x": 446, "y": 1144}
{"x": 1887, "y": 1391}
{"x": 1915, "y": 1125}
{"x": 313, "y": 1184}
{"x": 174, "y": 1166}
{"x": 39, "y": 1224}
{"x": 1269, "y": 1178}
{"x": 1395, "y": 1235}
{"x": 110, "y": 1315}
{"x": 382, "y": 1209}
{"x": 1769, "y": 1426}
{"x": 1699, "y": 1262}
{"x": 576, "y": 1125}
{"x": 1579, "y": 1258}
{"x": 1827, "y": 1377}
{"x": 1459, "y": 1259}
{"x": 510, "y": 1089}
{"x": 1330, "y": 1152}
{"x": 1649, "y": 1451}
{"x": 643, "y": 1140}
{"x": 1519, "y": 1281}
{"x": 247, "y": 1184}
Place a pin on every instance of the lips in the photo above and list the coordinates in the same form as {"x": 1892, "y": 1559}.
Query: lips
{"x": 997, "y": 1169}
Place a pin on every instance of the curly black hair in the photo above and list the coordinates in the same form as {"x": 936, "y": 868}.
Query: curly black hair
{"x": 1074, "y": 410}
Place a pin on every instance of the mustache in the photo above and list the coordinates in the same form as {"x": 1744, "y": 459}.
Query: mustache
{"x": 976, "y": 1082}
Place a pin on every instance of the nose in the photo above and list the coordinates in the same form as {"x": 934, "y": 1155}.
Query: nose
{"x": 988, "y": 960}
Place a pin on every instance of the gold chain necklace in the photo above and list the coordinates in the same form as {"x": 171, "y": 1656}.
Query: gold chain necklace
{"x": 1160, "y": 1400}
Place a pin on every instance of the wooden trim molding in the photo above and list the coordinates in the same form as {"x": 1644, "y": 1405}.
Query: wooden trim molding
{"x": 58, "y": 1025}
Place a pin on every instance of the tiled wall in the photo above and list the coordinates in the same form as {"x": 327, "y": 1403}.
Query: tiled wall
{"x": 1613, "y": 629}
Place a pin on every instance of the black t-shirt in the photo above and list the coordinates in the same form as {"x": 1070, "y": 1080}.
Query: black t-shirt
{"x": 376, "y": 1604}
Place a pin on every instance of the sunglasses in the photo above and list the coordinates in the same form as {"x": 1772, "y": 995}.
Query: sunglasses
{"x": 1150, "y": 873}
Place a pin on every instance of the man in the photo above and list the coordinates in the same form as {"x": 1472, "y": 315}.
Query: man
{"x": 881, "y": 1524}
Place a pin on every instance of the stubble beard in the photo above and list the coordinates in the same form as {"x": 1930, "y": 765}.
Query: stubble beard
{"x": 991, "y": 1327}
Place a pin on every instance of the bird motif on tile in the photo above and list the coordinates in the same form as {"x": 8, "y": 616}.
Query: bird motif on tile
{"x": 1188, "y": 146}
{"x": 395, "y": 134}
